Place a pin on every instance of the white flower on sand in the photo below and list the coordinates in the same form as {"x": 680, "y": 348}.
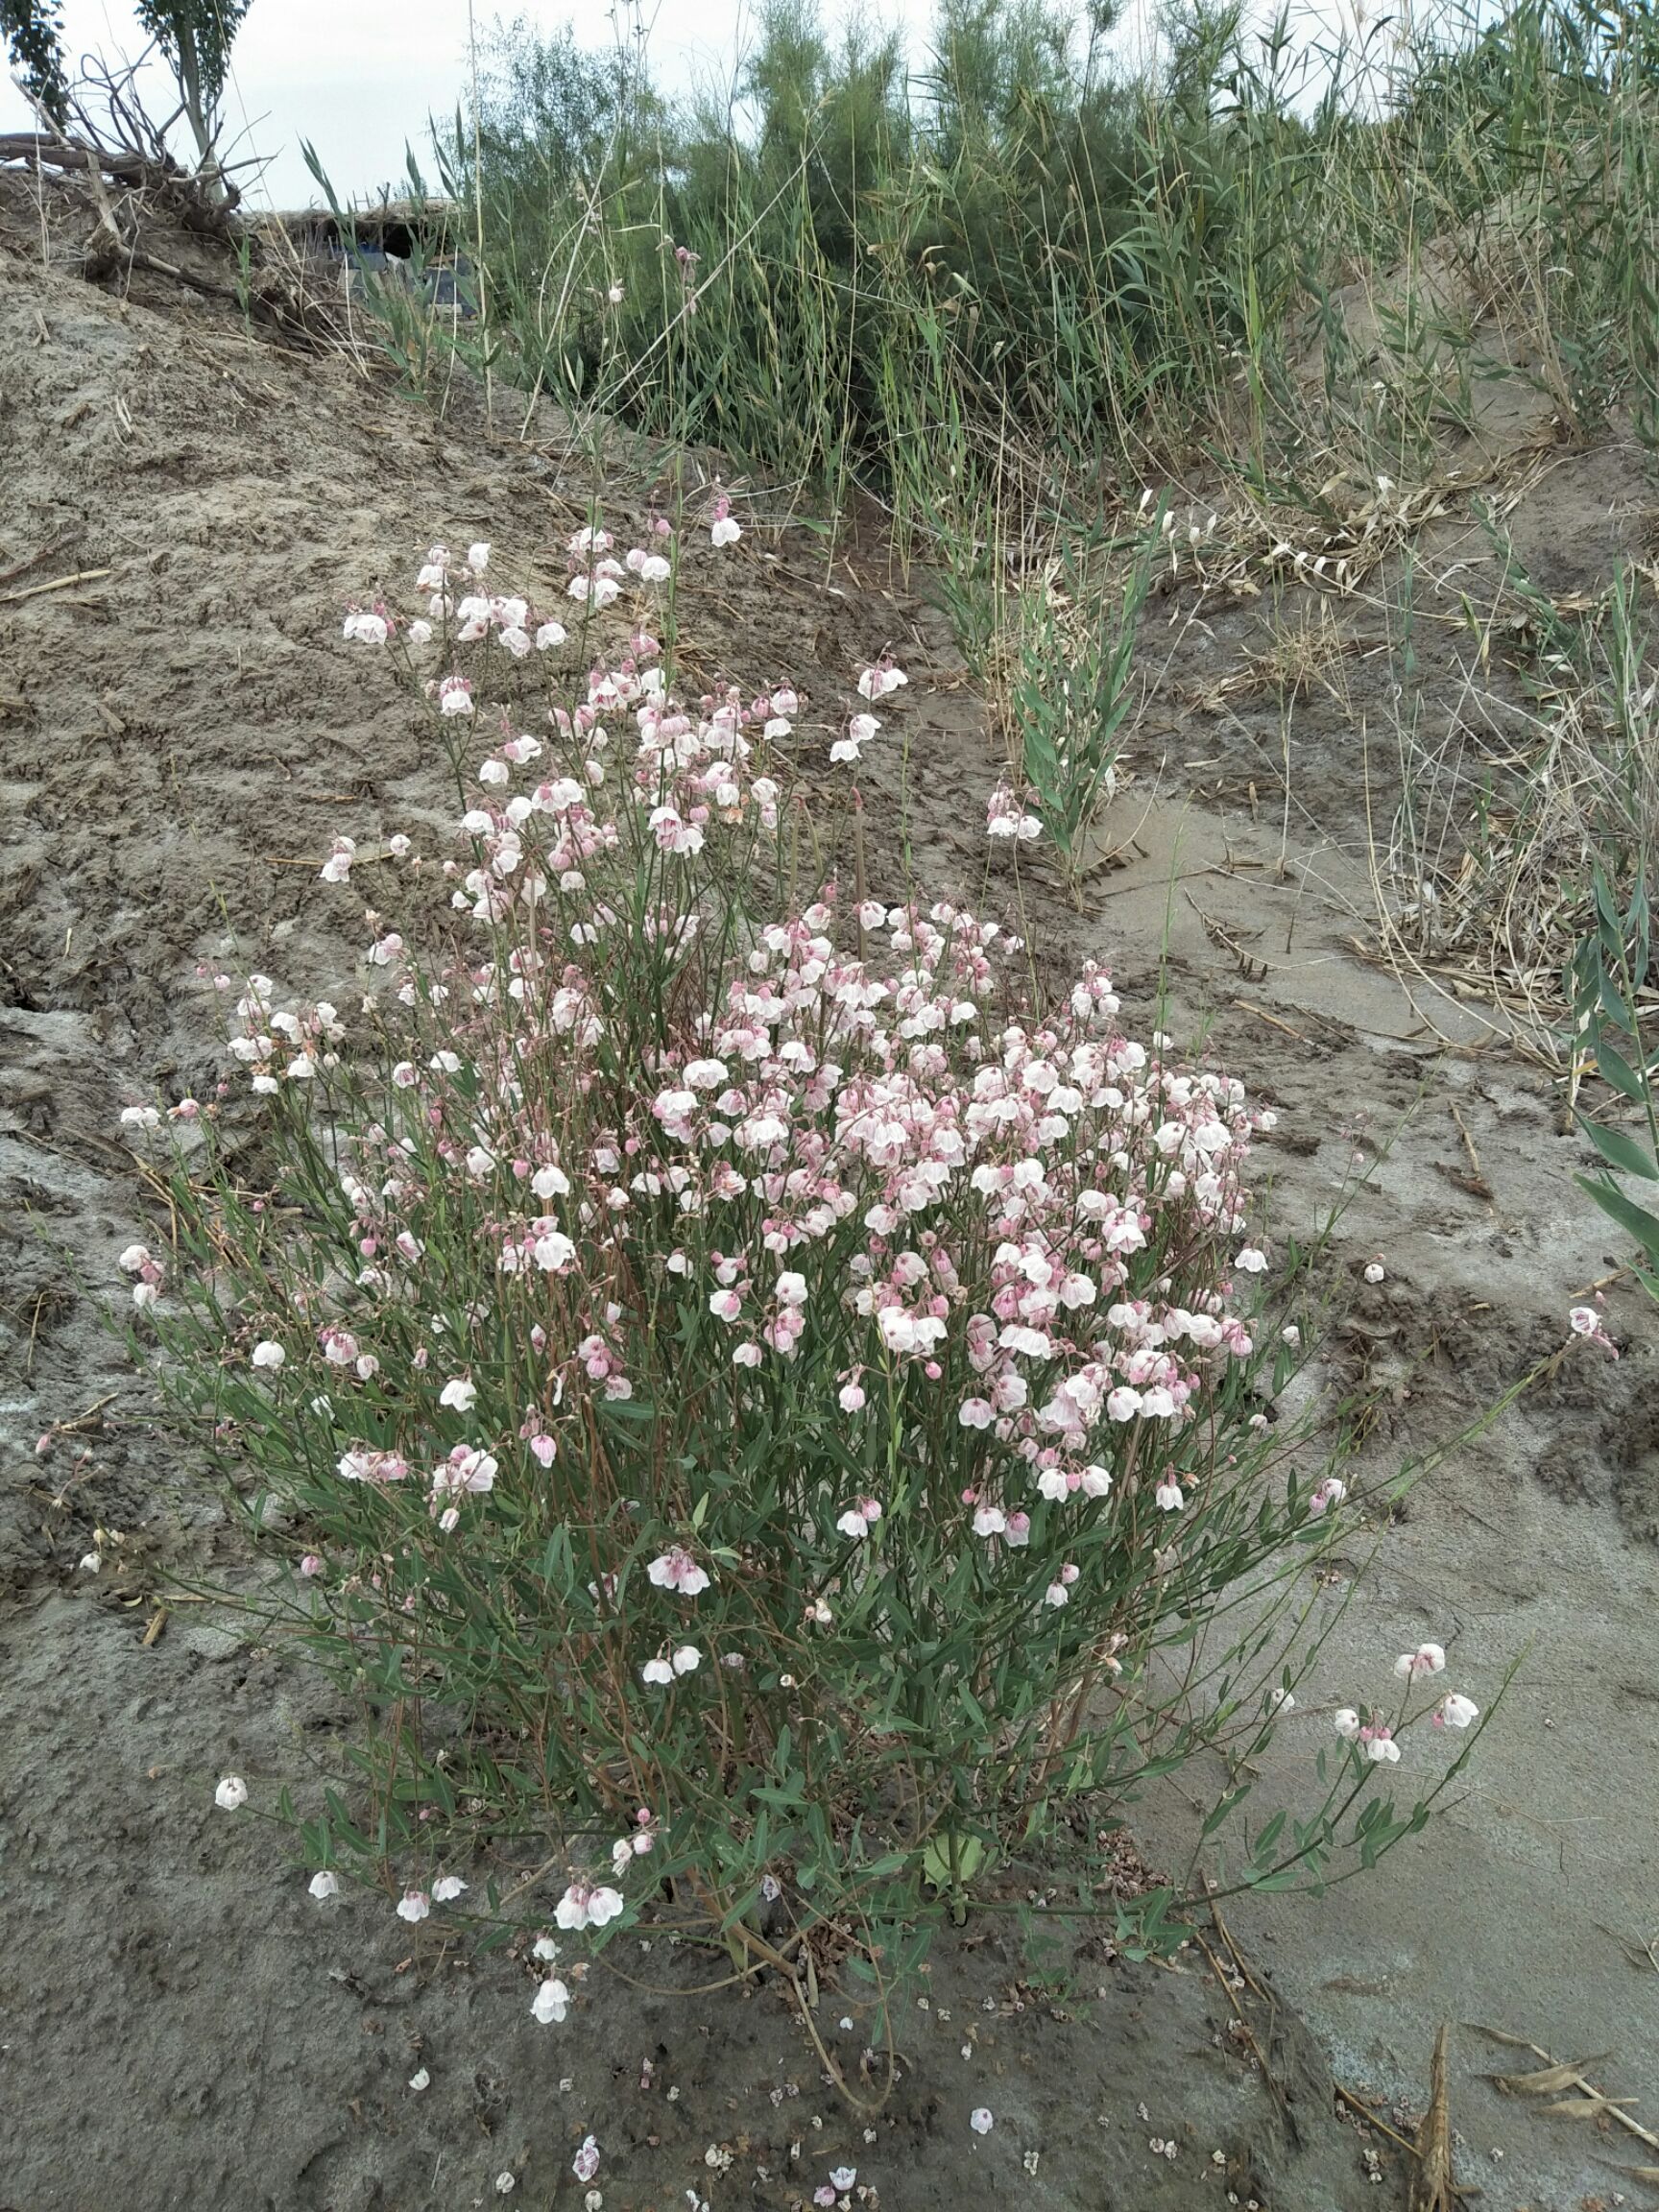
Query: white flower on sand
{"x": 231, "y": 1794}
{"x": 551, "y": 2002}
{"x": 584, "y": 1907}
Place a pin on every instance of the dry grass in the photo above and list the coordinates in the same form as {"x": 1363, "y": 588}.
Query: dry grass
{"x": 1483, "y": 875}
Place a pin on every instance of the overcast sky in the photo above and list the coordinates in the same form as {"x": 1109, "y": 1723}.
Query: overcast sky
{"x": 359, "y": 78}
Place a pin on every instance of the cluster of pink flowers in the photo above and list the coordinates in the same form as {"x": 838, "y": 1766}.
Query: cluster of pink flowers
{"x": 872, "y": 1142}
{"x": 656, "y": 1138}
{"x": 139, "y": 1261}
{"x": 458, "y": 599}
{"x": 1377, "y": 1735}
{"x": 290, "y": 1046}
{"x": 837, "y": 1133}
{"x": 1005, "y": 817}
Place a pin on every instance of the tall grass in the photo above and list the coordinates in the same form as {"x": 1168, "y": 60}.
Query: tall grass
{"x": 971, "y": 284}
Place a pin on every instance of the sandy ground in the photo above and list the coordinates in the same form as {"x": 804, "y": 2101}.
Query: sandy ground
{"x": 180, "y": 735}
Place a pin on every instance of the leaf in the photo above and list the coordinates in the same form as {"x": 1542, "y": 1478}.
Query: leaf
{"x": 1621, "y": 1151}
{"x": 1513, "y": 2042}
{"x": 1546, "y": 2080}
{"x": 1618, "y": 1071}
{"x": 1631, "y": 1217}
{"x": 936, "y": 1860}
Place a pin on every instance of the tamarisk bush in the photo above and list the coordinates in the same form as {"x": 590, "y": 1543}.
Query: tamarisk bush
{"x": 764, "y": 1422}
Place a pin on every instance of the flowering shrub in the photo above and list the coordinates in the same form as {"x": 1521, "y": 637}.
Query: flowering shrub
{"x": 768, "y": 1423}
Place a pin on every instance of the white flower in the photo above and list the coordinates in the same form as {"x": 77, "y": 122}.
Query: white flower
{"x": 581, "y": 1907}
{"x": 1455, "y": 1710}
{"x": 858, "y": 1520}
{"x": 1427, "y": 1659}
{"x": 725, "y": 532}
{"x": 458, "y": 1393}
{"x": 414, "y": 1904}
{"x": 585, "y": 2163}
{"x": 657, "y": 1673}
{"x": 677, "y": 1570}
{"x": 1374, "y": 1271}
{"x": 551, "y": 2002}
{"x": 137, "y": 1255}
{"x": 1346, "y": 1724}
{"x": 231, "y": 1792}
{"x": 1383, "y": 1749}
{"x": 506, "y": 2183}
{"x": 91, "y": 1561}
{"x": 842, "y": 2179}
{"x": 688, "y": 1659}
{"x": 1282, "y": 1701}
{"x": 447, "y": 1888}
{"x": 266, "y": 1354}
{"x": 478, "y": 558}
{"x": 337, "y": 868}
{"x": 1251, "y": 1261}
{"x": 323, "y": 1886}
{"x": 981, "y": 2120}
{"x": 419, "y": 2079}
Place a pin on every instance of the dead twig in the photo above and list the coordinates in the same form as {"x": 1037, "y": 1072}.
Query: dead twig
{"x": 1272, "y": 1019}
{"x": 58, "y": 584}
{"x": 1364, "y": 2111}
